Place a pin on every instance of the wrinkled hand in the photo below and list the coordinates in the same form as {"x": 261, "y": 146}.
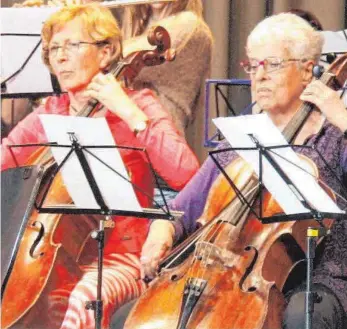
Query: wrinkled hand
{"x": 328, "y": 102}
{"x": 108, "y": 91}
{"x": 158, "y": 243}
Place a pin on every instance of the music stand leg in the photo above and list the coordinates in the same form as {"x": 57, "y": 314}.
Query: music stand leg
{"x": 97, "y": 305}
{"x": 311, "y": 297}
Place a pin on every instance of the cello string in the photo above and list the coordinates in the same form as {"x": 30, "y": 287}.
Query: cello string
{"x": 187, "y": 247}
{"x": 307, "y": 172}
{"x": 301, "y": 114}
{"x": 217, "y": 217}
{"x": 193, "y": 241}
{"x": 217, "y": 231}
{"x": 231, "y": 228}
{"x": 215, "y": 236}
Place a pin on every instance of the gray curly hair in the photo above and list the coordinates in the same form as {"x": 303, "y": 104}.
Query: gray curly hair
{"x": 297, "y": 35}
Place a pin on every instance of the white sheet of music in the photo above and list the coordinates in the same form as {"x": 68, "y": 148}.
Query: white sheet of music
{"x": 117, "y": 192}
{"x": 26, "y": 23}
{"x": 334, "y": 41}
{"x": 237, "y": 129}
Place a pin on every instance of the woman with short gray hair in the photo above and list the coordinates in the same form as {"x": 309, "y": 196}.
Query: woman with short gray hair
{"x": 282, "y": 51}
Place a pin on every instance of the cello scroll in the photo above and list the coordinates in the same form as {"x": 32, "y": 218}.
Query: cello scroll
{"x": 135, "y": 62}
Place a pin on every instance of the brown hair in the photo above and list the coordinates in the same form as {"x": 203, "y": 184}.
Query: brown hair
{"x": 98, "y": 21}
{"x": 136, "y": 18}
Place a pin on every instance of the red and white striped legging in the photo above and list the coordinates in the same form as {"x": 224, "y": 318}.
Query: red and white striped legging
{"x": 120, "y": 284}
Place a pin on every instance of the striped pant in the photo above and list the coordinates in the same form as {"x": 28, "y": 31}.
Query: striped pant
{"x": 120, "y": 284}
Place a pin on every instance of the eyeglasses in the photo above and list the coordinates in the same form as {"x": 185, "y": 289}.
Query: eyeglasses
{"x": 270, "y": 64}
{"x": 72, "y": 47}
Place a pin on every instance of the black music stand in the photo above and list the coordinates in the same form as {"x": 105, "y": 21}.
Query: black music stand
{"x": 216, "y": 88}
{"x": 98, "y": 235}
{"x": 335, "y": 44}
{"x": 313, "y": 233}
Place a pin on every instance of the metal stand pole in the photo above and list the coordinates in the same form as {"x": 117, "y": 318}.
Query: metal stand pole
{"x": 97, "y": 305}
{"x": 311, "y": 297}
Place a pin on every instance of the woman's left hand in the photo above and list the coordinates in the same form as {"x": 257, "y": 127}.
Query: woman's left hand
{"x": 108, "y": 91}
{"x": 328, "y": 102}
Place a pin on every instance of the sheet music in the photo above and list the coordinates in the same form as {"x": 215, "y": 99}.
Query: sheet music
{"x": 334, "y": 42}
{"x": 35, "y": 77}
{"x": 237, "y": 129}
{"x": 117, "y": 193}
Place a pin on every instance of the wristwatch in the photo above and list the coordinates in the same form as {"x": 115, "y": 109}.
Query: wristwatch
{"x": 140, "y": 126}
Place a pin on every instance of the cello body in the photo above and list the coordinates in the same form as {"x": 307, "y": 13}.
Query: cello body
{"x": 47, "y": 259}
{"x": 234, "y": 277}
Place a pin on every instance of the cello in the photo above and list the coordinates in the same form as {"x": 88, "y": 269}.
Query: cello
{"x": 234, "y": 267}
{"x": 46, "y": 257}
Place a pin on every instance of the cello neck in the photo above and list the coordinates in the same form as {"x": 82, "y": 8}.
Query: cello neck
{"x": 92, "y": 103}
{"x": 300, "y": 117}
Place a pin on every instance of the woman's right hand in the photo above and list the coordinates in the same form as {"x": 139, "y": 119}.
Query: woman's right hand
{"x": 158, "y": 243}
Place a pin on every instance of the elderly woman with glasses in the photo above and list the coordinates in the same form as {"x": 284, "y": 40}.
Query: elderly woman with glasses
{"x": 282, "y": 51}
{"x": 79, "y": 44}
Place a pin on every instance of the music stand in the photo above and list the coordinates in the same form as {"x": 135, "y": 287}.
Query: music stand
{"x": 21, "y": 54}
{"x": 335, "y": 43}
{"x": 313, "y": 233}
{"x": 217, "y": 85}
{"x": 268, "y": 155}
{"x": 80, "y": 151}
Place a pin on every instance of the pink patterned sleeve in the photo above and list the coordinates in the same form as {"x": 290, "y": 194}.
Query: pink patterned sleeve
{"x": 169, "y": 152}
